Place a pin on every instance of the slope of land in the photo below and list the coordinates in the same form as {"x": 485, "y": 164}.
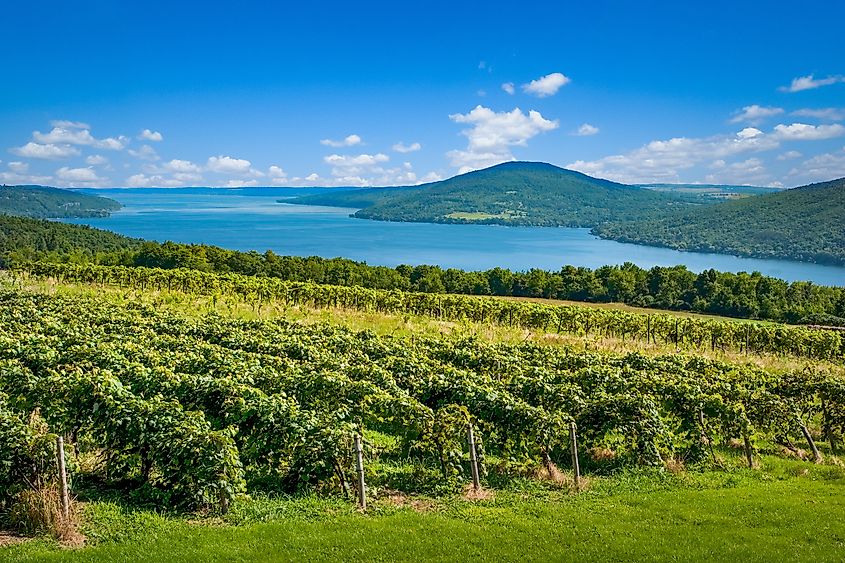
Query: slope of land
{"x": 45, "y": 202}
{"x": 513, "y": 193}
{"x": 805, "y": 223}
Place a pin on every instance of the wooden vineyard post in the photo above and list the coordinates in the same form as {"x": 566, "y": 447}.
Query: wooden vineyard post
{"x": 60, "y": 454}
{"x": 359, "y": 465}
{"x": 573, "y": 445}
{"x": 749, "y": 455}
{"x": 817, "y": 457}
{"x": 473, "y": 459}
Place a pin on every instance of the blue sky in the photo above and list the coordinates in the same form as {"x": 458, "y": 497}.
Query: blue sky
{"x": 382, "y": 93}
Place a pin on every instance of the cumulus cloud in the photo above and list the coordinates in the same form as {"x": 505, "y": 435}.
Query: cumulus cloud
{"x": 804, "y": 132}
{"x": 181, "y": 166}
{"x": 228, "y": 165}
{"x": 348, "y": 141}
{"x": 790, "y": 155}
{"x": 664, "y": 160}
{"x": 546, "y": 85}
{"x": 809, "y": 82}
{"x": 96, "y": 159}
{"x": 277, "y": 176}
{"x": 45, "y": 151}
{"x": 19, "y": 167}
{"x": 586, "y": 130}
{"x": 69, "y": 124}
{"x": 509, "y": 88}
{"x": 403, "y": 148}
{"x": 749, "y": 172}
{"x": 827, "y": 114}
{"x": 821, "y": 167}
{"x": 146, "y": 152}
{"x": 149, "y": 135}
{"x": 492, "y": 134}
{"x": 755, "y": 114}
{"x": 75, "y": 135}
{"x": 78, "y": 176}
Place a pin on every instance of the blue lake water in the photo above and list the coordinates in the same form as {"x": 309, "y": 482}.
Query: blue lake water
{"x": 251, "y": 219}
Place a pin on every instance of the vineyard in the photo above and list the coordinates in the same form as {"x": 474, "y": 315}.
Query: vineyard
{"x": 685, "y": 334}
{"x": 194, "y": 412}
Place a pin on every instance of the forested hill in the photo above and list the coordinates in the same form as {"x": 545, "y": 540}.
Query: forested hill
{"x": 513, "y": 193}
{"x": 44, "y": 202}
{"x": 806, "y": 223}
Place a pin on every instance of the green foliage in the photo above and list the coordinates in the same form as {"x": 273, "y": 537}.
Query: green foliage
{"x": 799, "y": 224}
{"x": 688, "y": 333}
{"x": 513, "y": 193}
{"x": 193, "y": 411}
{"x": 44, "y": 202}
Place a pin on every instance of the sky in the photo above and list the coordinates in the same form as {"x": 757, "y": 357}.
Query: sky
{"x": 120, "y": 94}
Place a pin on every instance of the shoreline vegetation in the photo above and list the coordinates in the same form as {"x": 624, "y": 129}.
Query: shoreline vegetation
{"x": 743, "y": 295}
{"x": 801, "y": 224}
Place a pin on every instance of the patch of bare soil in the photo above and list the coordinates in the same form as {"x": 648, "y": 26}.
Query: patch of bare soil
{"x": 8, "y": 538}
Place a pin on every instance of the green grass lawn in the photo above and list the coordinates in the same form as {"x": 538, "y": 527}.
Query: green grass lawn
{"x": 787, "y": 511}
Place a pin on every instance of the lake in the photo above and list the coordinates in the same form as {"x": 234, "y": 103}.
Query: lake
{"x": 252, "y": 219}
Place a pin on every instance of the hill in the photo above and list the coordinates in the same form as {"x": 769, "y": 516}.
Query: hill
{"x": 804, "y": 223}
{"x": 513, "y": 193}
{"x": 44, "y": 202}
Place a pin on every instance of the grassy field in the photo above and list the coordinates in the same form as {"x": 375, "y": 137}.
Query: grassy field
{"x": 786, "y": 510}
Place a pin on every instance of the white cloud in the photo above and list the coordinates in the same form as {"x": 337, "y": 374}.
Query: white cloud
{"x": 241, "y": 183}
{"x": 586, "y": 130}
{"x": 492, "y": 134}
{"x": 828, "y": 114}
{"x": 77, "y": 176}
{"x": 664, "y": 160}
{"x": 809, "y": 82}
{"x": 95, "y": 160}
{"x": 78, "y": 136}
{"x": 48, "y": 151}
{"x": 403, "y": 148}
{"x": 182, "y": 166}
{"x": 155, "y": 180}
{"x": 146, "y": 152}
{"x": 749, "y": 133}
{"x": 19, "y": 167}
{"x": 69, "y": 124}
{"x": 821, "y": 167}
{"x": 755, "y": 114}
{"x": 277, "y": 176}
{"x": 546, "y": 85}
{"x": 748, "y": 172}
{"x": 228, "y": 165}
{"x": 355, "y": 161}
{"x": 804, "y": 132}
{"x": 148, "y": 135}
{"x": 509, "y": 88}
{"x": 348, "y": 141}
{"x": 790, "y": 155}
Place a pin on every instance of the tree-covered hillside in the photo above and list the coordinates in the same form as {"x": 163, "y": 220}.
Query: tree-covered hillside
{"x": 806, "y": 223}
{"x": 44, "y": 202}
{"x": 513, "y": 193}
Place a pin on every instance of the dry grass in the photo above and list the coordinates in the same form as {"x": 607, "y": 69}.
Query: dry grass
{"x": 601, "y": 454}
{"x": 674, "y": 465}
{"x": 552, "y": 475}
{"x": 473, "y": 494}
{"x": 39, "y": 512}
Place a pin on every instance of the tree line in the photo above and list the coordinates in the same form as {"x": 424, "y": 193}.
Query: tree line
{"x": 741, "y": 295}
